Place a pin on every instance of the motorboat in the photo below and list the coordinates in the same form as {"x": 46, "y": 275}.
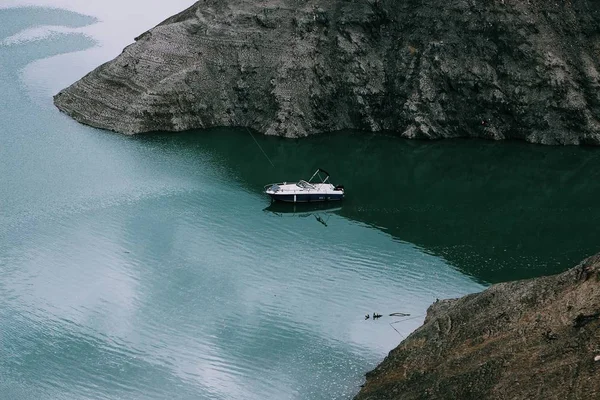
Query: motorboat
{"x": 306, "y": 191}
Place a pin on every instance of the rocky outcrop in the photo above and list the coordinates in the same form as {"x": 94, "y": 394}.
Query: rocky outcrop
{"x": 497, "y": 69}
{"x": 534, "y": 339}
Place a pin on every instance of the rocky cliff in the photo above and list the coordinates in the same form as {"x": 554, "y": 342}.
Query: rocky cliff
{"x": 534, "y": 339}
{"x": 497, "y": 69}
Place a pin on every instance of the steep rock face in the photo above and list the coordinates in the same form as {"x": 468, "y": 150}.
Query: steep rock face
{"x": 499, "y": 69}
{"x": 534, "y": 339}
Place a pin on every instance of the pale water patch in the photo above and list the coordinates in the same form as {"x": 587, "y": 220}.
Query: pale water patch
{"x": 113, "y": 26}
{"x": 36, "y": 34}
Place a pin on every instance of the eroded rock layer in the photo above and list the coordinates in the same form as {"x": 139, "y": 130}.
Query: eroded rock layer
{"x": 533, "y": 339}
{"x": 422, "y": 68}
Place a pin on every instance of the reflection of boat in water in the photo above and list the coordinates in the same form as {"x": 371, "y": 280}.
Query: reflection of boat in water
{"x": 320, "y": 211}
{"x": 299, "y": 209}
{"x": 306, "y": 191}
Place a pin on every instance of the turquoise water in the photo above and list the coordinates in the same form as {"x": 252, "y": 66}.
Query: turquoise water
{"x": 153, "y": 267}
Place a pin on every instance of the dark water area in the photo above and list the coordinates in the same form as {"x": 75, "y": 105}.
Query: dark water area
{"x": 497, "y": 211}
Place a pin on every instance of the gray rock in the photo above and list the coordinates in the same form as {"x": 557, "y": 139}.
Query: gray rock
{"x": 431, "y": 69}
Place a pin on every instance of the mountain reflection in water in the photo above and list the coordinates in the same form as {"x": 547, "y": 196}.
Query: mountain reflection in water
{"x": 497, "y": 211}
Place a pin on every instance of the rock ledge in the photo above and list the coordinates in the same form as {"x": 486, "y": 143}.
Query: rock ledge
{"x": 496, "y": 69}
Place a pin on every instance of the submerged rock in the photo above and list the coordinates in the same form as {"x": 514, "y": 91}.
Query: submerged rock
{"x": 533, "y": 339}
{"x": 424, "y": 69}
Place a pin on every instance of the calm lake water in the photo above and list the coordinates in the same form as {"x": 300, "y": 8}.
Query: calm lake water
{"x": 153, "y": 267}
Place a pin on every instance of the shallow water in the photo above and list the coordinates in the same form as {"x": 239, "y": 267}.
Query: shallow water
{"x": 154, "y": 267}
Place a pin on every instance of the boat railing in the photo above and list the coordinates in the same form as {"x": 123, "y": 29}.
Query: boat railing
{"x": 318, "y": 173}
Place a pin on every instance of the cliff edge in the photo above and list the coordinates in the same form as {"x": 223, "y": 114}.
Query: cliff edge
{"x": 533, "y": 339}
{"x": 422, "y": 68}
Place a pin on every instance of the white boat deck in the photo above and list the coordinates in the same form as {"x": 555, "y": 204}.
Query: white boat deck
{"x": 302, "y": 187}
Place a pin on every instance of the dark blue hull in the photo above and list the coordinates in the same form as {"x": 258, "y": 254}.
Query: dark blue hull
{"x": 306, "y": 198}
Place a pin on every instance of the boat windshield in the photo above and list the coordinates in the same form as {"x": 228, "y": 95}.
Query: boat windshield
{"x": 305, "y": 185}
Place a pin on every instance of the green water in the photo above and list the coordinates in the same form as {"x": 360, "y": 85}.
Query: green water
{"x": 154, "y": 267}
{"x": 494, "y": 211}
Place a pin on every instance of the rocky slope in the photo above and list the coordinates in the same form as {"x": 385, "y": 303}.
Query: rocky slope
{"x": 498, "y": 69}
{"x": 534, "y": 339}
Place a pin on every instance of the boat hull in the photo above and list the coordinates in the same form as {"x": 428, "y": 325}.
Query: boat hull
{"x": 306, "y": 197}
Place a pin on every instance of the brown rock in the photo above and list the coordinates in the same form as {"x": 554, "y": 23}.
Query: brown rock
{"x": 532, "y": 339}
